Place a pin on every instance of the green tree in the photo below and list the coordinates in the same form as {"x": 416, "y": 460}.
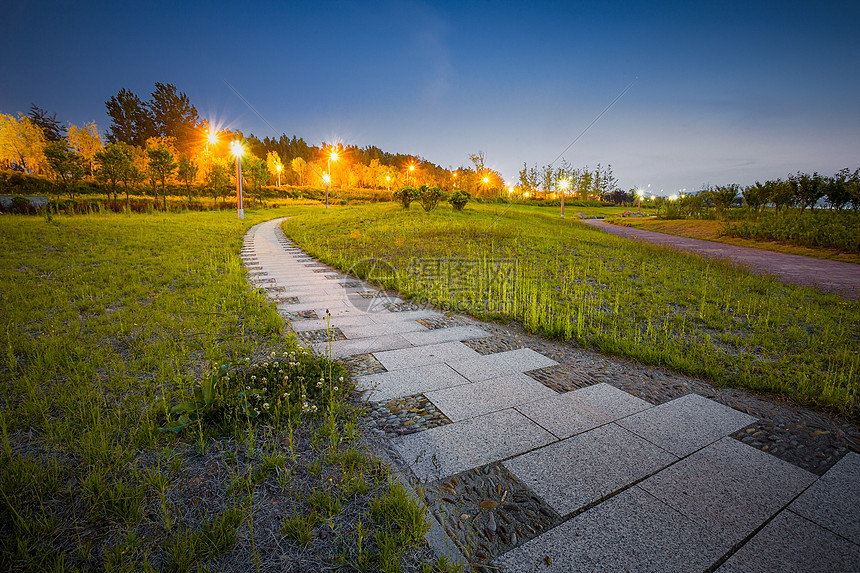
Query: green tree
{"x": 187, "y": 171}
{"x": 836, "y": 189}
{"x": 51, "y": 127}
{"x": 114, "y": 162}
{"x": 66, "y": 166}
{"x": 809, "y": 189}
{"x": 755, "y": 197}
{"x": 131, "y": 122}
{"x": 173, "y": 116}
{"x": 723, "y": 196}
{"x": 217, "y": 180}
{"x": 256, "y": 172}
{"x": 161, "y": 167}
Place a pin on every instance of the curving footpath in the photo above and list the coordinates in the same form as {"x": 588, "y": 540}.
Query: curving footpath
{"x": 822, "y": 274}
{"x": 624, "y": 484}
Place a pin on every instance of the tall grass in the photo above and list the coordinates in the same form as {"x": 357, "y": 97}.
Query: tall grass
{"x": 705, "y": 318}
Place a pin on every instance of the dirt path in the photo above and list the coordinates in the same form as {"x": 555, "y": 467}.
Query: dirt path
{"x": 829, "y": 276}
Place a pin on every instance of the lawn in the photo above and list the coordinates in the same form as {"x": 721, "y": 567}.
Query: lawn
{"x": 117, "y": 327}
{"x": 568, "y": 281}
{"x": 713, "y": 230}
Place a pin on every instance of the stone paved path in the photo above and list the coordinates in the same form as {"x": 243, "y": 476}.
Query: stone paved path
{"x": 831, "y": 276}
{"x": 625, "y": 485}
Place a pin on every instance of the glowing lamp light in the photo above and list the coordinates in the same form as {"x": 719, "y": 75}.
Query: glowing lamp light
{"x": 236, "y": 148}
{"x": 326, "y": 178}
{"x": 334, "y": 155}
{"x": 486, "y": 179}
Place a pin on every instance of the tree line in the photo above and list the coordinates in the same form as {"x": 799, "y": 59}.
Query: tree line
{"x": 799, "y": 191}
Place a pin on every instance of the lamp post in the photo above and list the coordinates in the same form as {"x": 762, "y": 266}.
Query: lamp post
{"x": 388, "y": 182}
{"x": 563, "y": 184}
{"x": 411, "y": 168}
{"x": 640, "y": 193}
{"x": 327, "y": 180}
{"x": 236, "y": 148}
{"x": 279, "y": 167}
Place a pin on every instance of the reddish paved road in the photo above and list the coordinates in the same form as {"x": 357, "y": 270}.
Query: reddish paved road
{"x": 822, "y": 274}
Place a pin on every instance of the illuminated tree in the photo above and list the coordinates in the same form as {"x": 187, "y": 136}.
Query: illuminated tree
{"x": 187, "y": 171}
{"x": 217, "y": 180}
{"x": 273, "y": 161}
{"x": 300, "y": 168}
{"x": 86, "y": 142}
{"x": 22, "y": 143}
{"x": 254, "y": 169}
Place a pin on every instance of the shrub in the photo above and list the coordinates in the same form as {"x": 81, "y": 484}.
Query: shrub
{"x": 459, "y": 199}
{"x": 405, "y": 195}
{"x": 429, "y": 197}
{"x": 20, "y": 205}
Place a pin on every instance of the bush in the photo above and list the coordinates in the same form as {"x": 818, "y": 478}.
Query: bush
{"x": 20, "y": 205}
{"x": 459, "y": 199}
{"x": 839, "y": 230}
{"x": 405, "y": 195}
{"x": 429, "y": 197}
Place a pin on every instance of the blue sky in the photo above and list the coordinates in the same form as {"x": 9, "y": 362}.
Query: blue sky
{"x": 723, "y": 92}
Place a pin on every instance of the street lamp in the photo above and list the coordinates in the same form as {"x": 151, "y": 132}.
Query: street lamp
{"x": 455, "y": 179}
{"x": 326, "y": 180}
{"x": 388, "y": 182}
{"x": 563, "y": 184}
{"x": 279, "y": 167}
{"x": 236, "y": 149}
{"x": 640, "y": 193}
{"x": 411, "y": 168}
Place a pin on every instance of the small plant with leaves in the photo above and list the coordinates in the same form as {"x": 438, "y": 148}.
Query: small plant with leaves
{"x": 429, "y": 197}
{"x": 405, "y": 196}
{"x": 459, "y": 198}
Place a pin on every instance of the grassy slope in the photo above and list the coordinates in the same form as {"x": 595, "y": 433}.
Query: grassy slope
{"x": 705, "y": 318}
{"x": 713, "y": 231}
{"x": 107, "y": 321}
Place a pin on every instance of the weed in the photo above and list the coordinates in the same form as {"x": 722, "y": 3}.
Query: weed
{"x": 300, "y": 527}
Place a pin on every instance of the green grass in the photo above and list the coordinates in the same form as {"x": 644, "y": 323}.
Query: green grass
{"x": 106, "y": 323}
{"x": 704, "y": 318}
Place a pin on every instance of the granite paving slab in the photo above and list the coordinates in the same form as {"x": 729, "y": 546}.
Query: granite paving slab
{"x": 430, "y": 354}
{"x": 340, "y": 348}
{"x": 408, "y": 381}
{"x": 342, "y": 321}
{"x": 455, "y": 333}
{"x": 585, "y": 468}
{"x": 377, "y": 329}
{"x": 386, "y": 316}
{"x": 834, "y": 500}
{"x": 483, "y": 367}
{"x": 791, "y": 543}
{"x": 729, "y": 487}
{"x": 525, "y": 359}
{"x": 478, "y": 398}
{"x": 453, "y": 448}
{"x": 581, "y": 410}
{"x": 686, "y": 424}
{"x": 630, "y": 532}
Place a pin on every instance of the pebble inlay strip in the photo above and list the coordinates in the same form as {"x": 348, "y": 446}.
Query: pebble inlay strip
{"x": 487, "y": 512}
{"x": 404, "y": 306}
{"x": 405, "y": 415}
{"x": 493, "y": 344}
{"x": 299, "y": 315}
{"x": 362, "y": 365}
{"x": 321, "y": 335}
{"x": 444, "y": 322}
{"x": 563, "y": 377}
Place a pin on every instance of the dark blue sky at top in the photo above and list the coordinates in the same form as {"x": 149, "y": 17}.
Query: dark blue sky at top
{"x": 723, "y": 92}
